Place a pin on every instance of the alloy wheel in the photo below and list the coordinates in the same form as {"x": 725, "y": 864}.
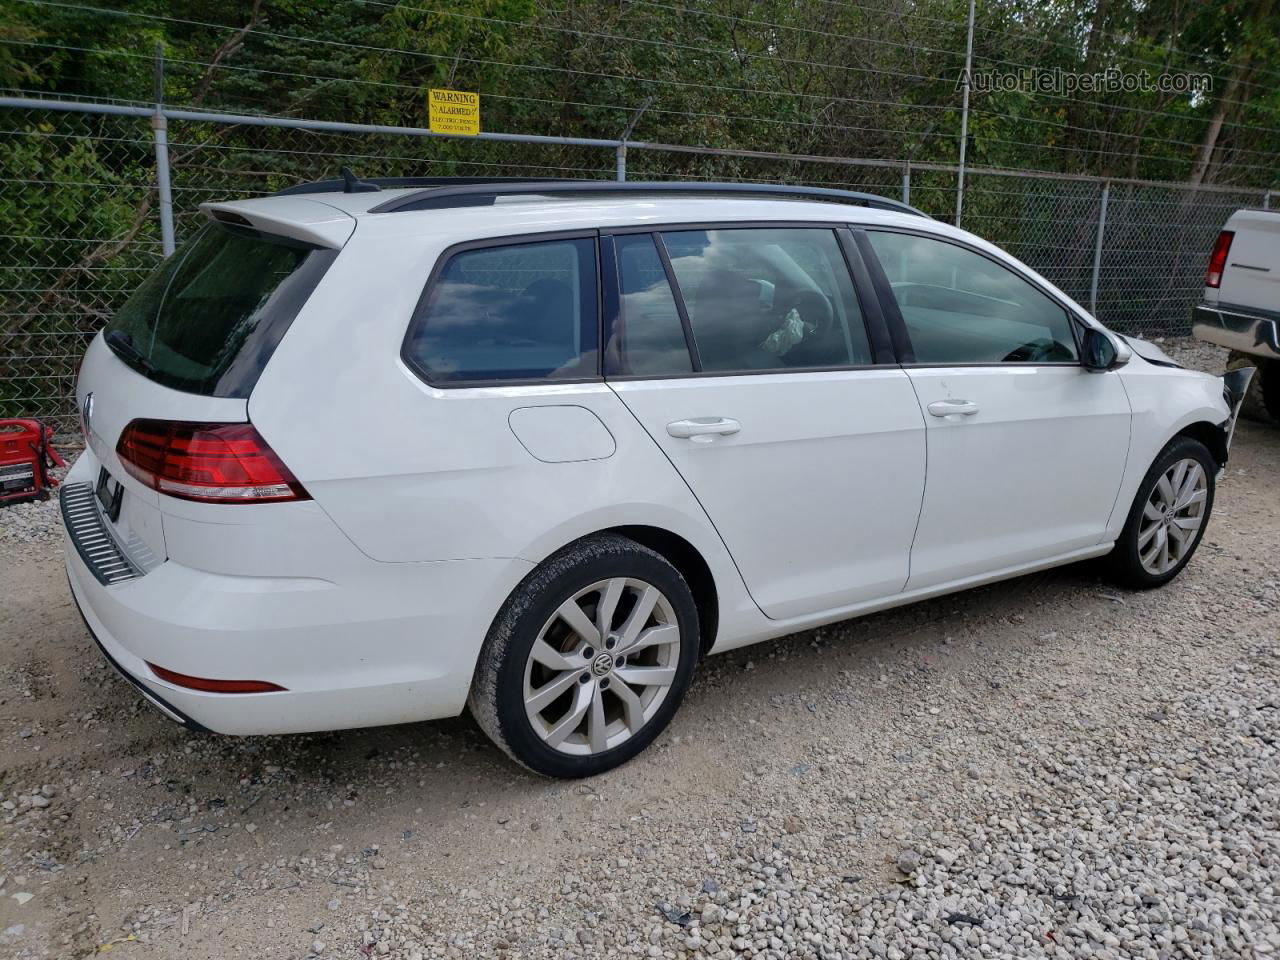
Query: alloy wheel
{"x": 1172, "y": 516}
{"x": 601, "y": 666}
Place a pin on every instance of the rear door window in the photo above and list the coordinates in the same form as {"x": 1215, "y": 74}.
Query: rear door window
{"x": 647, "y": 338}
{"x": 768, "y": 298}
{"x": 514, "y": 312}
{"x": 208, "y": 320}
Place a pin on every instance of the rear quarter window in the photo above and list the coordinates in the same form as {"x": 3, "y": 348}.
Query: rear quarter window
{"x": 209, "y": 318}
{"x": 512, "y": 312}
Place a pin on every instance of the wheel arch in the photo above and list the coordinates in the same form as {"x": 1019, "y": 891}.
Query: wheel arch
{"x": 1211, "y": 435}
{"x": 693, "y": 549}
{"x": 686, "y": 558}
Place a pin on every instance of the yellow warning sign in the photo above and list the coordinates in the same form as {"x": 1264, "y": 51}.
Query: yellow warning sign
{"x": 455, "y": 111}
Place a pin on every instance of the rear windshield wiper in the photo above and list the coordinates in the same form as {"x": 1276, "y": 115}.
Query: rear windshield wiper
{"x": 122, "y": 344}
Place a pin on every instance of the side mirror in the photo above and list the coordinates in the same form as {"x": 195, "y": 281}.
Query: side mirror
{"x": 1102, "y": 350}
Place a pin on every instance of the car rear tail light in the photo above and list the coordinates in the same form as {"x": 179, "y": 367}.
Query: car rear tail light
{"x": 208, "y": 462}
{"x": 1218, "y": 260}
{"x": 214, "y": 686}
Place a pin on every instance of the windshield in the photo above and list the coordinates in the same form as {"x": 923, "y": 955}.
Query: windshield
{"x": 209, "y": 318}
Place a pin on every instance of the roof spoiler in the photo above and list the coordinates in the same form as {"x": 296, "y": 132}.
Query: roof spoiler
{"x": 316, "y": 223}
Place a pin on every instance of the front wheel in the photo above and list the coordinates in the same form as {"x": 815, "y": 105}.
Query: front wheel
{"x": 588, "y": 659}
{"x": 1168, "y": 516}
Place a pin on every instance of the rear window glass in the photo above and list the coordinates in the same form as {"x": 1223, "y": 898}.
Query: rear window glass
{"x": 208, "y": 320}
{"x": 524, "y": 311}
{"x": 647, "y": 338}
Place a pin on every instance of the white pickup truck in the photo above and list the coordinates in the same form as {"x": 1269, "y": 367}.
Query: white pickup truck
{"x": 1241, "y": 306}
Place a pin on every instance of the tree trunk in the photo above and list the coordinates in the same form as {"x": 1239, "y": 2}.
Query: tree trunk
{"x": 1077, "y": 112}
{"x": 1210, "y": 142}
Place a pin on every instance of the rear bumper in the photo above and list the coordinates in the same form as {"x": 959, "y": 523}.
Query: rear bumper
{"x": 168, "y": 709}
{"x": 397, "y": 645}
{"x": 1238, "y": 328}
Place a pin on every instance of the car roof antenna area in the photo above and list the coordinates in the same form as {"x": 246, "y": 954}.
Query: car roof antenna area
{"x": 353, "y": 184}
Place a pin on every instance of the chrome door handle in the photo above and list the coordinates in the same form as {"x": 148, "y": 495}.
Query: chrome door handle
{"x": 703, "y": 427}
{"x": 947, "y": 408}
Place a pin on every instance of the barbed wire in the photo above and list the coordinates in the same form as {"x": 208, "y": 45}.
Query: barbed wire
{"x": 373, "y": 48}
{"x": 1108, "y": 106}
{"x": 873, "y": 40}
{"x": 825, "y": 98}
{"x": 1062, "y": 125}
{"x": 644, "y": 41}
{"x": 1044, "y": 38}
{"x": 620, "y": 108}
{"x": 750, "y": 21}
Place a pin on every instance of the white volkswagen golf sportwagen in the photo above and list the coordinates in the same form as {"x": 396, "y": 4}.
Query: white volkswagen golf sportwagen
{"x": 372, "y": 452}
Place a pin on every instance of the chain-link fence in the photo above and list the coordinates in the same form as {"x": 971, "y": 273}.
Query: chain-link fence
{"x": 66, "y": 264}
{"x": 76, "y": 245}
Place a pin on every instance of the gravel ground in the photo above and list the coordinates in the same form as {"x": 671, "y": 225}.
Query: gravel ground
{"x": 1194, "y": 354}
{"x": 33, "y": 522}
{"x": 1043, "y": 767}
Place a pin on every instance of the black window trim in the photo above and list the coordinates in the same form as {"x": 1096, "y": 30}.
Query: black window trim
{"x": 682, "y": 308}
{"x": 612, "y": 290}
{"x": 683, "y": 225}
{"x": 879, "y": 336}
{"x": 898, "y": 327}
{"x": 880, "y": 360}
{"x": 610, "y": 294}
{"x": 508, "y": 240}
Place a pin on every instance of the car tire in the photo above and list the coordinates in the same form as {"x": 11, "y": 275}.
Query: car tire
{"x": 1147, "y": 554}
{"x": 542, "y": 664}
{"x": 1262, "y": 399}
{"x": 1269, "y": 372}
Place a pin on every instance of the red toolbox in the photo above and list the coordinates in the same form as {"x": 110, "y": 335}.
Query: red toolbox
{"x": 26, "y": 454}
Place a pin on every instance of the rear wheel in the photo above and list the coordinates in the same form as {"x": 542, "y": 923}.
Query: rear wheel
{"x": 1168, "y": 516}
{"x": 588, "y": 659}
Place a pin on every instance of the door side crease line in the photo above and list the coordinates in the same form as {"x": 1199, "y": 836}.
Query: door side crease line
{"x": 924, "y": 486}
{"x": 1124, "y": 471}
{"x": 693, "y": 493}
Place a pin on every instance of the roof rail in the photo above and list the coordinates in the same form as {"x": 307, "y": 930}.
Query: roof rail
{"x": 353, "y": 185}
{"x": 459, "y": 193}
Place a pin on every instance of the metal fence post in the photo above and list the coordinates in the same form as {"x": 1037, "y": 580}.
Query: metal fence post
{"x": 159, "y": 128}
{"x": 160, "y": 132}
{"x": 906, "y": 183}
{"x": 1266, "y": 200}
{"x": 1097, "y": 248}
{"x": 964, "y": 114}
{"x": 626, "y": 135}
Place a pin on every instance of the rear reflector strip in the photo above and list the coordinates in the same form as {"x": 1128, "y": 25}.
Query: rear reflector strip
{"x": 213, "y": 686}
{"x": 191, "y": 491}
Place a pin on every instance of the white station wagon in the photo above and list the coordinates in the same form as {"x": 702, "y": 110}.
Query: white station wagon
{"x": 372, "y": 452}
